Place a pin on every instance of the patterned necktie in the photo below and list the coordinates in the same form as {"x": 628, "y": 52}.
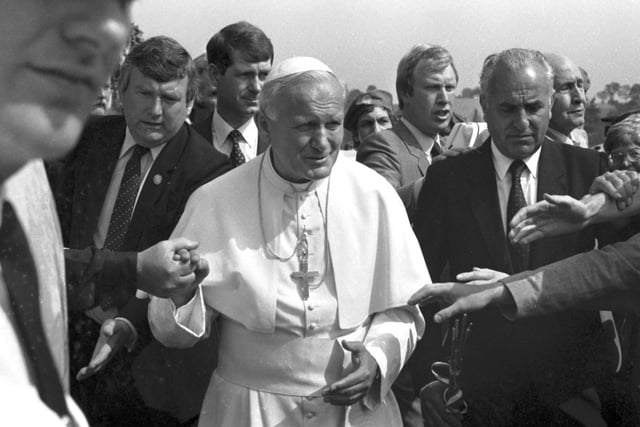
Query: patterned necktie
{"x": 237, "y": 158}
{"x": 125, "y": 200}
{"x": 21, "y": 282}
{"x": 519, "y": 252}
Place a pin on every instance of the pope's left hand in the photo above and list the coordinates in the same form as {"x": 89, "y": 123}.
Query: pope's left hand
{"x": 355, "y": 386}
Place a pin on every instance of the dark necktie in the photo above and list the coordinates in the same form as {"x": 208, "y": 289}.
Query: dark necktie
{"x": 121, "y": 217}
{"x": 237, "y": 158}
{"x": 436, "y": 150}
{"x": 125, "y": 200}
{"x": 519, "y": 252}
{"x": 21, "y": 282}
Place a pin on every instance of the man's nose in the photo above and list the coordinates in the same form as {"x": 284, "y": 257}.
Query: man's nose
{"x": 578, "y": 96}
{"x": 156, "y": 107}
{"x": 521, "y": 121}
{"x": 255, "y": 84}
{"x": 443, "y": 96}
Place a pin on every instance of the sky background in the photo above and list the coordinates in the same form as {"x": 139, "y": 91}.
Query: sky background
{"x": 363, "y": 40}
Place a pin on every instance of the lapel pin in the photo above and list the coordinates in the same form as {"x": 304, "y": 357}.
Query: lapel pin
{"x": 157, "y": 179}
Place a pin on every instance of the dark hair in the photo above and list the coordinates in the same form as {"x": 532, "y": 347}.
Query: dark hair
{"x": 242, "y": 37}
{"x": 438, "y": 57}
{"x": 163, "y": 59}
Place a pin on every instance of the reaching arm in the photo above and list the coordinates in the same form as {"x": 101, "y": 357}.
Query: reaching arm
{"x": 615, "y": 196}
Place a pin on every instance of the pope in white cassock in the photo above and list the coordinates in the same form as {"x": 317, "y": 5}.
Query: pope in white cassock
{"x": 311, "y": 261}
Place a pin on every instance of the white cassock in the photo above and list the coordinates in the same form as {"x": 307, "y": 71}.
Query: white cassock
{"x": 29, "y": 193}
{"x": 278, "y": 351}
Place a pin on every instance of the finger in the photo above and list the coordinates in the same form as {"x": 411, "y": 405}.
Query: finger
{"x": 98, "y": 361}
{"x": 476, "y": 274}
{"x": 182, "y": 243}
{"x": 428, "y": 292}
{"x": 359, "y": 388}
{"x": 531, "y": 237}
{"x": 194, "y": 257}
{"x": 202, "y": 268}
{"x": 353, "y": 346}
{"x": 184, "y": 270}
{"x": 343, "y": 401}
{"x": 183, "y": 255}
{"x": 108, "y": 328}
{"x": 448, "y": 312}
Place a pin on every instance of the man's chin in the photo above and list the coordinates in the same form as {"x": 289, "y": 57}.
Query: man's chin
{"x": 41, "y": 133}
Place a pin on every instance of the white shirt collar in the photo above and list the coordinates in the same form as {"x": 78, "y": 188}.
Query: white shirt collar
{"x": 425, "y": 141}
{"x": 502, "y": 162}
{"x": 130, "y": 142}
{"x": 221, "y": 129}
{"x": 560, "y": 136}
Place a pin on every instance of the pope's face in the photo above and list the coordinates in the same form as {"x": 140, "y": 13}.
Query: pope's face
{"x": 517, "y": 109}
{"x": 55, "y": 57}
{"x": 154, "y": 111}
{"x": 307, "y": 131}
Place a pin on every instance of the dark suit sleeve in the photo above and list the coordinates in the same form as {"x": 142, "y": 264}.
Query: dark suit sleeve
{"x": 378, "y": 152}
{"x": 606, "y": 278}
{"x": 429, "y": 227}
{"x": 429, "y": 221}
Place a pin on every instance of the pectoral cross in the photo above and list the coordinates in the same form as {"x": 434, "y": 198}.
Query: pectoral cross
{"x": 303, "y": 277}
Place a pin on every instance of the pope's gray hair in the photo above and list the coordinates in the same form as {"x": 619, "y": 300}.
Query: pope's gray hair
{"x": 514, "y": 59}
{"x": 271, "y": 89}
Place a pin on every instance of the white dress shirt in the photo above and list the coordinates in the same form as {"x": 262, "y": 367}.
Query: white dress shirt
{"x": 528, "y": 179}
{"x": 220, "y": 129}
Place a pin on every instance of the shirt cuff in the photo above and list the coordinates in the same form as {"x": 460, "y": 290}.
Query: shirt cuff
{"x": 134, "y": 333}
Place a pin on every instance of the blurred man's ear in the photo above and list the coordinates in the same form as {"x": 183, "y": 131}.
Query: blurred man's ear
{"x": 264, "y": 126}
{"x": 214, "y": 74}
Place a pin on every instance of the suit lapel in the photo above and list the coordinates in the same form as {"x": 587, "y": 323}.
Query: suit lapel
{"x": 485, "y": 206}
{"x": 95, "y": 178}
{"x": 157, "y": 182}
{"x": 552, "y": 179}
{"x": 412, "y": 145}
{"x": 204, "y": 128}
{"x": 552, "y": 173}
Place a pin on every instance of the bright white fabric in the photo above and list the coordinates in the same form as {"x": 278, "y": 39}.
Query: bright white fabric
{"x": 28, "y": 191}
{"x": 373, "y": 265}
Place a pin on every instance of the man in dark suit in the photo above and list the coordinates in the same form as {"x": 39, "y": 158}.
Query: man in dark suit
{"x": 524, "y": 372}
{"x": 569, "y": 99}
{"x": 119, "y": 193}
{"x": 240, "y": 57}
{"x": 425, "y": 85}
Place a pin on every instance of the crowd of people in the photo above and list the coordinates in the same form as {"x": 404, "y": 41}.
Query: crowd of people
{"x": 206, "y": 252}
